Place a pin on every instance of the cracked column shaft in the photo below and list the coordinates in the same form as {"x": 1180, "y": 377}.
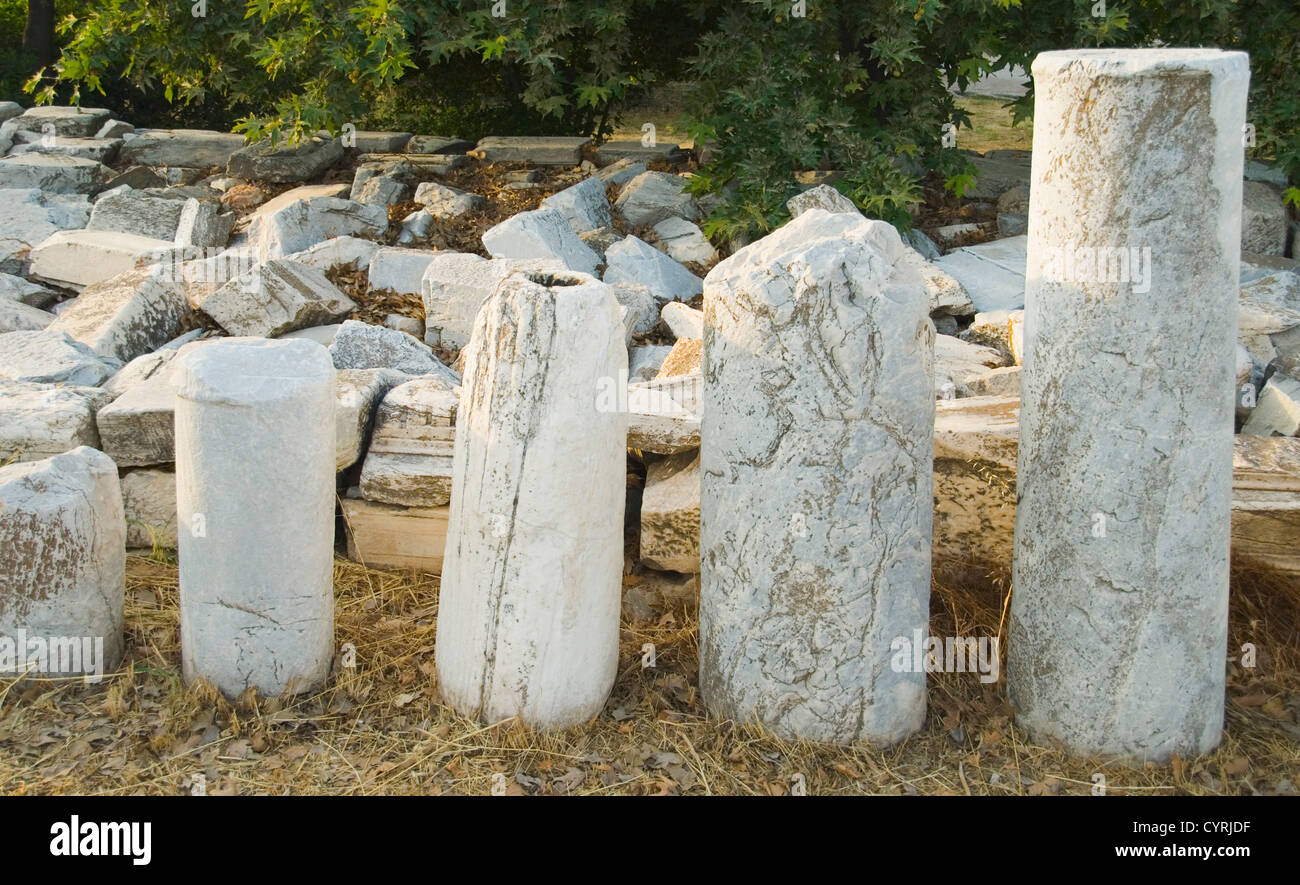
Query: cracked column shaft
{"x": 255, "y": 510}
{"x": 532, "y": 575}
{"x": 816, "y": 489}
{"x": 1118, "y": 627}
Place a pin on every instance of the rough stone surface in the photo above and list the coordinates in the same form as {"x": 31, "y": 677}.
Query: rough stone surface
{"x": 305, "y": 216}
{"x": 51, "y": 173}
{"x": 958, "y": 363}
{"x": 284, "y": 162}
{"x": 255, "y": 512}
{"x": 545, "y": 150}
{"x": 632, "y": 260}
{"x": 52, "y": 357}
{"x": 357, "y": 395}
{"x": 338, "y": 252}
{"x": 620, "y": 172}
{"x": 400, "y": 269}
{"x": 583, "y": 205}
{"x": 531, "y": 581}
{"x": 149, "y": 502}
{"x": 31, "y": 216}
{"x": 683, "y": 321}
{"x": 993, "y": 274}
{"x": 127, "y": 315}
{"x": 359, "y": 345}
{"x": 63, "y": 561}
{"x": 1118, "y": 627}
{"x": 179, "y": 147}
{"x": 664, "y": 416}
{"x": 444, "y": 201}
{"x": 75, "y": 122}
{"x": 455, "y": 285}
{"x": 641, "y": 308}
{"x": 684, "y": 241}
{"x": 540, "y": 235}
{"x": 653, "y": 196}
{"x": 437, "y": 144}
{"x": 18, "y": 317}
{"x": 413, "y": 445}
{"x": 137, "y": 428}
{"x": 821, "y": 196}
{"x": 78, "y": 258}
{"x": 670, "y": 514}
{"x": 276, "y": 297}
{"x": 816, "y": 462}
{"x": 1263, "y": 219}
{"x": 40, "y": 420}
{"x": 1278, "y": 410}
{"x": 644, "y": 361}
{"x": 947, "y": 296}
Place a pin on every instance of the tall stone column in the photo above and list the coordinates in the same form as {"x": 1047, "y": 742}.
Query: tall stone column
{"x": 532, "y": 574}
{"x": 1118, "y": 628}
{"x": 255, "y": 513}
{"x": 816, "y": 491}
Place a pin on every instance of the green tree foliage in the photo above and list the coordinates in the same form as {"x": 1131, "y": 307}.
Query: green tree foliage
{"x": 781, "y": 86}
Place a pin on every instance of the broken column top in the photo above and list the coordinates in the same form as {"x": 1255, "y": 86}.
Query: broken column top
{"x": 244, "y": 371}
{"x": 1137, "y": 62}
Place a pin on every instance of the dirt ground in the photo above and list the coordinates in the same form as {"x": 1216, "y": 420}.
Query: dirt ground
{"x": 380, "y": 727}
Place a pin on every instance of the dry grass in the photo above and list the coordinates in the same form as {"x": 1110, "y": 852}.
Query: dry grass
{"x": 381, "y": 727}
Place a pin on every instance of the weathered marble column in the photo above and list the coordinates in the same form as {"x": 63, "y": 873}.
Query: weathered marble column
{"x": 1118, "y": 627}
{"x": 532, "y": 574}
{"x": 62, "y": 566}
{"x": 255, "y": 513}
{"x": 816, "y": 491}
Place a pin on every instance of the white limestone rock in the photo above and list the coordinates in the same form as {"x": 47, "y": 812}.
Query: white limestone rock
{"x": 31, "y": 216}
{"x": 400, "y": 269}
{"x": 338, "y": 252}
{"x": 357, "y": 395}
{"x": 531, "y": 582}
{"x": 62, "y": 120}
{"x": 63, "y": 563}
{"x": 632, "y": 260}
{"x": 670, "y": 514}
{"x": 455, "y": 285}
{"x": 411, "y": 450}
{"x": 40, "y": 420}
{"x": 683, "y": 321}
{"x": 640, "y": 308}
{"x": 14, "y": 288}
{"x": 276, "y": 297}
{"x": 620, "y": 172}
{"x": 18, "y": 317}
{"x": 52, "y": 357}
{"x": 664, "y": 417}
{"x": 149, "y": 503}
{"x": 957, "y": 363}
{"x": 1278, "y": 410}
{"x": 127, "y": 315}
{"x": 583, "y": 205}
{"x": 821, "y": 196}
{"x": 359, "y": 345}
{"x": 992, "y": 273}
{"x": 816, "y": 465}
{"x": 179, "y": 147}
{"x": 684, "y": 241}
{"x": 305, "y": 216}
{"x": 78, "y": 258}
{"x": 444, "y": 201}
{"x": 255, "y": 510}
{"x": 948, "y": 297}
{"x": 284, "y": 162}
{"x": 137, "y": 428}
{"x": 51, "y": 173}
{"x": 540, "y": 235}
{"x": 653, "y": 196}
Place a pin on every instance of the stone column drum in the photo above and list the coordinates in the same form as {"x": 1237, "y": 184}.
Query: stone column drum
{"x": 816, "y": 489}
{"x": 62, "y": 566}
{"x": 532, "y": 574}
{"x": 255, "y": 513}
{"x": 1118, "y": 627}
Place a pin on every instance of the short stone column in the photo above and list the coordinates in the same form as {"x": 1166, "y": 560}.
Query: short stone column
{"x": 816, "y": 489}
{"x": 62, "y": 566}
{"x": 255, "y": 513}
{"x": 1118, "y": 627}
{"x": 532, "y": 575}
